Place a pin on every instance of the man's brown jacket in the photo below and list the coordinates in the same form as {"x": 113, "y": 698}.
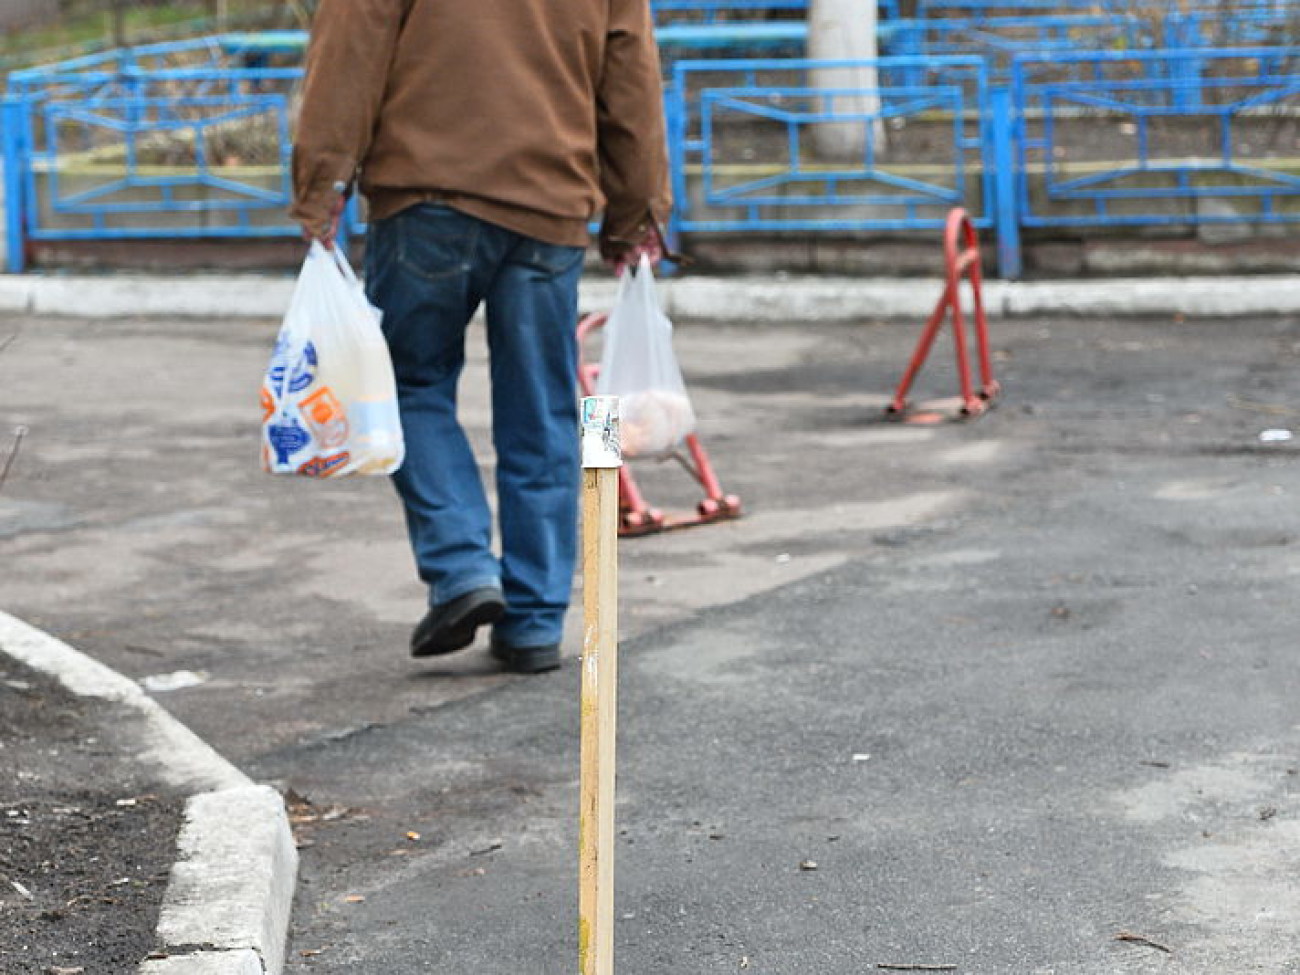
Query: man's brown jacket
{"x": 531, "y": 114}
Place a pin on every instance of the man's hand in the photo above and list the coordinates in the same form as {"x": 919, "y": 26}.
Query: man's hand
{"x": 622, "y": 254}
{"x": 652, "y": 247}
{"x": 328, "y": 231}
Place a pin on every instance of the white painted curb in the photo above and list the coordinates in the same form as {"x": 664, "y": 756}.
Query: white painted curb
{"x": 185, "y": 760}
{"x": 142, "y": 296}
{"x": 242, "y": 962}
{"x": 226, "y": 909}
{"x": 1191, "y": 297}
{"x": 774, "y": 299}
{"x": 231, "y": 888}
{"x": 16, "y": 293}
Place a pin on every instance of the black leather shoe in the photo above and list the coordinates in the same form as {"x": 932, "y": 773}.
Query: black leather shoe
{"x": 450, "y": 626}
{"x": 527, "y": 660}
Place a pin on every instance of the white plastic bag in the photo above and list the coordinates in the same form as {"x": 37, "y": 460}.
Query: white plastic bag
{"x": 329, "y": 400}
{"x": 638, "y": 366}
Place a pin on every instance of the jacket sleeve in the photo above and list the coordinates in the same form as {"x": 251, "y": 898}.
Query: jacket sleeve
{"x": 348, "y": 59}
{"x": 632, "y": 145}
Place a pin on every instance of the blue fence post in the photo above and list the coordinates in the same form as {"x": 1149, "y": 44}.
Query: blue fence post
{"x": 11, "y": 134}
{"x": 1010, "y": 259}
{"x": 675, "y": 124}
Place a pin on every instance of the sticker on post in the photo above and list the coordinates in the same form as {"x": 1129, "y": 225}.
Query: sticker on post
{"x": 600, "y": 441}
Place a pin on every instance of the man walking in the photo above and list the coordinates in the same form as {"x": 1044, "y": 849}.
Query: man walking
{"x": 485, "y": 136}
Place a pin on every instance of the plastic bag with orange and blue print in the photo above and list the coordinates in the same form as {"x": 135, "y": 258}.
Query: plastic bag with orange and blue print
{"x": 329, "y": 400}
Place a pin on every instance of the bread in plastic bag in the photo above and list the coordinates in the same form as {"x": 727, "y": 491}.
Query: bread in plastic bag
{"x": 638, "y": 366}
{"x": 329, "y": 400}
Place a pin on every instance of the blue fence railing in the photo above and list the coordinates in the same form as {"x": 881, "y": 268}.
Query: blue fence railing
{"x": 999, "y": 39}
{"x": 714, "y": 11}
{"x": 171, "y": 142}
{"x": 174, "y": 162}
{"x": 996, "y": 39}
{"x": 177, "y": 139}
{"x": 81, "y": 74}
{"x": 192, "y": 140}
{"x": 778, "y": 145}
{"x": 1172, "y": 137}
{"x": 1263, "y": 26}
{"x": 1003, "y": 8}
{"x": 1152, "y": 8}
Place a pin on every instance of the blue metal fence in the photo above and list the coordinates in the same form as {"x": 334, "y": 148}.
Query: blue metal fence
{"x": 123, "y": 167}
{"x": 192, "y": 140}
{"x": 999, "y": 39}
{"x": 1150, "y": 8}
{"x": 747, "y": 154}
{"x": 714, "y": 11}
{"x": 146, "y": 63}
{"x": 1267, "y": 25}
{"x": 1172, "y": 137}
{"x": 1001, "y": 8}
{"x": 176, "y": 140}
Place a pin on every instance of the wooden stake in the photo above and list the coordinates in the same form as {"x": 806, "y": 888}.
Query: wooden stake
{"x": 600, "y": 460}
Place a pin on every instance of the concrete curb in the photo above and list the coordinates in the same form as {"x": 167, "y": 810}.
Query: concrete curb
{"x": 226, "y": 909}
{"x": 136, "y": 295}
{"x": 777, "y": 299}
{"x": 243, "y": 962}
{"x": 231, "y": 889}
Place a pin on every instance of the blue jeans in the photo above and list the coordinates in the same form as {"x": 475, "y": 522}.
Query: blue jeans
{"x": 429, "y": 267}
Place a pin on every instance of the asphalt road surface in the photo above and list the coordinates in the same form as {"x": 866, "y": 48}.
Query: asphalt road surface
{"x": 1016, "y": 696}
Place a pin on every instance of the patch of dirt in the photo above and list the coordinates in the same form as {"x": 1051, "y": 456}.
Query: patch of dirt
{"x": 86, "y": 842}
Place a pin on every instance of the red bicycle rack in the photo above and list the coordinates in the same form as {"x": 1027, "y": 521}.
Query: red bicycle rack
{"x": 636, "y": 516}
{"x": 962, "y": 257}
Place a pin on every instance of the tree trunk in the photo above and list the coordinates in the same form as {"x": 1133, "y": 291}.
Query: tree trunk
{"x": 117, "y": 22}
{"x": 845, "y": 30}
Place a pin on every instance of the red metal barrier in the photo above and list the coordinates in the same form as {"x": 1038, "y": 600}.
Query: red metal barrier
{"x": 636, "y": 515}
{"x": 962, "y": 257}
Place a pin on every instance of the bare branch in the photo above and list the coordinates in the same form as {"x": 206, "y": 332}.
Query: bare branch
{"x": 19, "y": 434}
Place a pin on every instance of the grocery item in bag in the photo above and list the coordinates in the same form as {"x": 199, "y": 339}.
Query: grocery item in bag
{"x": 329, "y": 400}
{"x": 638, "y": 366}
{"x": 654, "y": 421}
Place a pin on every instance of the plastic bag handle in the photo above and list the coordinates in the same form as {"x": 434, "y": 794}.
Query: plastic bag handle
{"x": 335, "y": 256}
{"x": 316, "y": 252}
{"x": 345, "y": 269}
{"x": 643, "y": 279}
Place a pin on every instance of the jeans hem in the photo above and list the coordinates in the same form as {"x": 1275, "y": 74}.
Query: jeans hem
{"x": 445, "y": 594}
{"x": 527, "y": 640}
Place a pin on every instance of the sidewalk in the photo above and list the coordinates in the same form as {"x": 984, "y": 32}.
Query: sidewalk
{"x": 775, "y": 299}
{"x": 988, "y": 695}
